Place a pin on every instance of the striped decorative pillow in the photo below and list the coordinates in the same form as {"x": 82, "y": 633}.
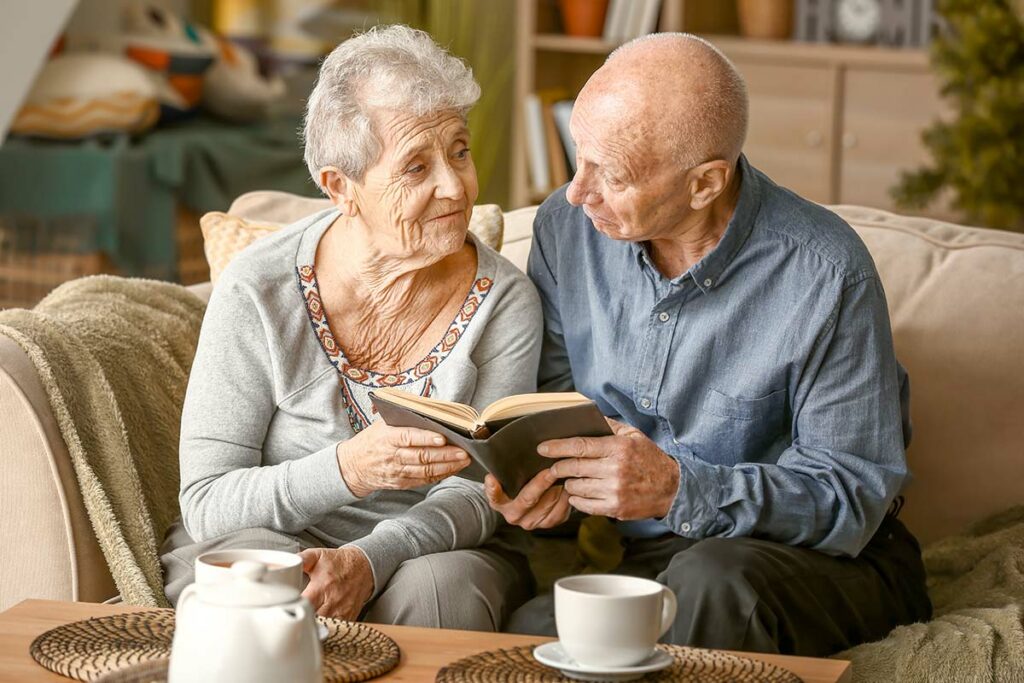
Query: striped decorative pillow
{"x": 79, "y": 95}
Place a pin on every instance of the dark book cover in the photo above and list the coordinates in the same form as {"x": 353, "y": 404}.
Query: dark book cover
{"x": 510, "y": 452}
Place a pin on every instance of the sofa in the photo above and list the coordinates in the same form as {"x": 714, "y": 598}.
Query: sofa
{"x": 956, "y": 300}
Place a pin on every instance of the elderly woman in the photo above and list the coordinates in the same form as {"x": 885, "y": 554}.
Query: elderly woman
{"x": 280, "y": 445}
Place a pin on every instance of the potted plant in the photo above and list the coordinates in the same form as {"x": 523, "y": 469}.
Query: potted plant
{"x": 978, "y": 154}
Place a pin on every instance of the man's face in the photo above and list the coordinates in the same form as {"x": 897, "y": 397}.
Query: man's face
{"x": 627, "y": 184}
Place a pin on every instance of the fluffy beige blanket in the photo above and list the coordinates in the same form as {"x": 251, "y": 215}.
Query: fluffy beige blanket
{"x": 976, "y": 582}
{"x": 113, "y": 355}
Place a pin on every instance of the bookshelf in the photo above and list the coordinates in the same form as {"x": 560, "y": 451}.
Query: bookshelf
{"x": 835, "y": 123}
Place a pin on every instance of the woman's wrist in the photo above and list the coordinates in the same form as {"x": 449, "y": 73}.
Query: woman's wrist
{"x": 349, "y": 473}
{"x": 366, "y": 586}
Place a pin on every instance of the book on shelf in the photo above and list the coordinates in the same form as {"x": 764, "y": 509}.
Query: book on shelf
{"x": 615, "y": 20}
{"x": 629, "y": 19}
{"x": 502, "y": 438}
{"x": 562, "y": 112}
{"x": 557, "y": 165}
{"x": 536, "y": 145}
{"x": 648, "y": 21}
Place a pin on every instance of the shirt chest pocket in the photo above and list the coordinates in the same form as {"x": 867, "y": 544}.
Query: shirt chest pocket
{"x": 731, "y": 430}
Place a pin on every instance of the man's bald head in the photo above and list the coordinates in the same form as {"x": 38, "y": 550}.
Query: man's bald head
{"x": 676, "y": 89}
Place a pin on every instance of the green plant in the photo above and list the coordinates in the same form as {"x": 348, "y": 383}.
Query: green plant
{"x": 978, "y": 154}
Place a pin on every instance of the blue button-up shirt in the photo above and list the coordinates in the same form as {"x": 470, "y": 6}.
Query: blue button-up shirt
{"x": 767, "y": 370}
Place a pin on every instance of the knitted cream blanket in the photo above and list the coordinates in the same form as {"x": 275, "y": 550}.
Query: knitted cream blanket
{"x": 114, "y": 355}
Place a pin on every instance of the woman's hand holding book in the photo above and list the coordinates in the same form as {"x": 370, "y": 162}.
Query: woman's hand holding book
{"x": 384, "y": 457}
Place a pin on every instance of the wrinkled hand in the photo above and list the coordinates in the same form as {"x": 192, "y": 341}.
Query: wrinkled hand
{"x": 625, "y": 476}
{"x": 340, "y": 581}
{"x": 539, "y": 505}
{"x": 383, "y": 457}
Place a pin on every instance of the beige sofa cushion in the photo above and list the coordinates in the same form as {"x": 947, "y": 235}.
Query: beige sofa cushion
{"x": 956, "y": 300}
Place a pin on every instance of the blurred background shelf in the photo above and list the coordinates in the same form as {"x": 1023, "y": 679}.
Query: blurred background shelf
{"x": 836, "y": 123}
{"x": 556, "y": 42}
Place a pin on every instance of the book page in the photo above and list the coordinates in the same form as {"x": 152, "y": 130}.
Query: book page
{"x": 457, "y": 414}
{"x": 526, "y": 404}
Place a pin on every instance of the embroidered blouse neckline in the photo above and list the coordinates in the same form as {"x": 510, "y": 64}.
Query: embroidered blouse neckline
{"x": 310, "y": 290}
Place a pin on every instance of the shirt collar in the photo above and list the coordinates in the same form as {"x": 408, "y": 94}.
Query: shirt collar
{"x": 707, "y": 272}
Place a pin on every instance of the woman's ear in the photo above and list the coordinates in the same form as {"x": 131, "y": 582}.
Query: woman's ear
{"x": 339, "y": 189}
{"x": 707, "y": 181}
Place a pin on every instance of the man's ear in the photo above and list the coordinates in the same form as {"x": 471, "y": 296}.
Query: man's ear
{"x": 707, "y": 181}
{"x": 340, "y": 190}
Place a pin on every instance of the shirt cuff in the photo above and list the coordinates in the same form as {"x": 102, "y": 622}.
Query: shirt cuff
{"x": 692, "y": 513}
{"x": 315, "y": 484}
{"x": 386, "y": 547}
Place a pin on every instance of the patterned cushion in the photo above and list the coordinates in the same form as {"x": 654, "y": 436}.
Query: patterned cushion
{"x": 224, "y": 235}
{"x": 79, "y": 95}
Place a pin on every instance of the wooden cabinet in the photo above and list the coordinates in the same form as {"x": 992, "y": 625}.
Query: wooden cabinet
{"x": 882, "y": 117}
{"x": 789, "y": 135}
{"x": 836, "y": 124}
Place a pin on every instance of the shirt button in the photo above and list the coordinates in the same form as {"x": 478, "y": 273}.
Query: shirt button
{"x": 663, "y": 317}
{"x": 685, "y": 527}
{"x": 707, "y": 283}
{"x": 645, "y": 403}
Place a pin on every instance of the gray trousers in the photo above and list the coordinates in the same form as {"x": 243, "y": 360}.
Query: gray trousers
{"x": 461, "y": 589}
{"x": 759, "y": 596}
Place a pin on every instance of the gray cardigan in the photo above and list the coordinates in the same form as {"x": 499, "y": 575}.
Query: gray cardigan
{"x": 270, "y": 396}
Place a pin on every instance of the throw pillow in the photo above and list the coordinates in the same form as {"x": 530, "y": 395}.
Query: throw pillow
{"x": 80, "y": 95}
{"x": 225, "y": 235}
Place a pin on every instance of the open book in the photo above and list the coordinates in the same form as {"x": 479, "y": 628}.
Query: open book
{"x": 502, "y": 438}
{"x": 480, "y": 425}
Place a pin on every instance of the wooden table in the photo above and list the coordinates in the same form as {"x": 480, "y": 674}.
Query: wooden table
{"x": 424, "y": 650}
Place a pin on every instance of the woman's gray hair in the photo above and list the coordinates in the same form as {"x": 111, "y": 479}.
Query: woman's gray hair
{"x": 390, "y": 68}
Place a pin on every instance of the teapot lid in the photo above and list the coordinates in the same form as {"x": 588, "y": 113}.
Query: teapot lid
{"x": 245, "y": 587}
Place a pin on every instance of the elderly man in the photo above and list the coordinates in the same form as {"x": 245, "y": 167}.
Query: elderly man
{"x": 739, "y": 336}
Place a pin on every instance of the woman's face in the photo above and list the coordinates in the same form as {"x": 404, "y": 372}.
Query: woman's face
{"x": 417, "y": 199}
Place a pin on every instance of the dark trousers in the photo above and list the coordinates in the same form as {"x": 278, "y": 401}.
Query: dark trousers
{"x": 759, "y": 596}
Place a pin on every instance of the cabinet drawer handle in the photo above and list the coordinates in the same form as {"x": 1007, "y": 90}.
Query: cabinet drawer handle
{"x": 849, "y": 140}
{"x": 813, "y": 138}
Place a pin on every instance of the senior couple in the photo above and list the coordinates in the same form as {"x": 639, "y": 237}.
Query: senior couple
{"x": 735, "y": 335}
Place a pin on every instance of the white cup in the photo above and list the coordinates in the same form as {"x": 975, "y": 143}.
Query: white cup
{"x": 605, "y": 620}
{"x": 282, "y": 567}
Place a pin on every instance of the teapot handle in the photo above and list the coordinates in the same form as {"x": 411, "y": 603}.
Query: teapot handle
{"x": 300, "y": 612}
{"x": 187, "y": 594}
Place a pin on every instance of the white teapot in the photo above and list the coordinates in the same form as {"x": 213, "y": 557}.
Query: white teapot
{"x": 243, "y": 629}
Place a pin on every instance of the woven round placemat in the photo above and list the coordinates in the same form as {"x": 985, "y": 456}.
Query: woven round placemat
{"x": 517, "y": 665}
{"x": 86, "y": 650}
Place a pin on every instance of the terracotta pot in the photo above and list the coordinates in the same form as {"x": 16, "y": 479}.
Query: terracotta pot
{"x": 583, "y": 18}
{"x": 768, "y": 19}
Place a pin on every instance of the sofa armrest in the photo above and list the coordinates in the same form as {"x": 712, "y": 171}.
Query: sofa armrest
{"x": 48, "y": 549}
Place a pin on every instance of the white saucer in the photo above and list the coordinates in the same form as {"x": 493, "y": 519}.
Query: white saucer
{"x": 552, "y": 654}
